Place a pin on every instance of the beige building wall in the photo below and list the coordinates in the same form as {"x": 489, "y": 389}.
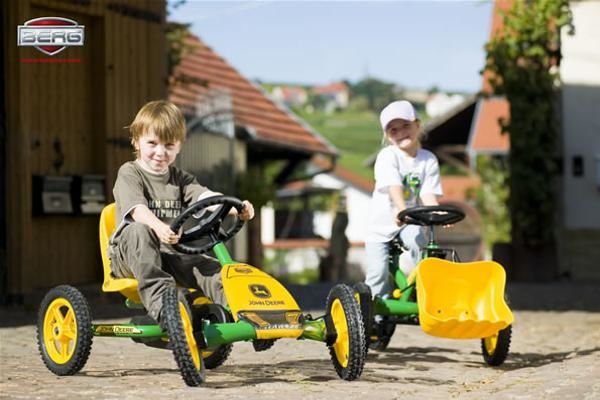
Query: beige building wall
{"x": 580, "y": 73}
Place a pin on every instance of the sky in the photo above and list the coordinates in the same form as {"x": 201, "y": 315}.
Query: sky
{"x": 415, "y": 44}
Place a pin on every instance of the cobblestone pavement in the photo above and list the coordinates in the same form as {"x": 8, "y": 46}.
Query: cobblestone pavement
{"x": 554, "y": 355}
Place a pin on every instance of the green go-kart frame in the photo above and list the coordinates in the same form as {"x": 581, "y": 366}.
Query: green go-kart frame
{"x": 445, "y": 297}
{"x": 199, "y": 332}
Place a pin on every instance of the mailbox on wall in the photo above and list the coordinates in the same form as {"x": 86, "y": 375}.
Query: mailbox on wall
{"x": 53, "y": 195}
{"x": 68, "y": 195}
{"x": 93, "y": 197}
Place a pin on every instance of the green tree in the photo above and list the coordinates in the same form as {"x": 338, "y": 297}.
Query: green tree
{"x": 522, "y": 60}
{"x": 491, "y": 199}
{"x": 377, "y": 93}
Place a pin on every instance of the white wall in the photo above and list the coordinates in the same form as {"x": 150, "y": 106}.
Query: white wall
{"x": 580, "y": 73}
{"x": 357, "y": 203}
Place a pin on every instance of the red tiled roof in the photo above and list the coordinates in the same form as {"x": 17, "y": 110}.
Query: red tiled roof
{"x": 364, "y": 184}
{"x": 500, "y": 6}
{"x": 359, "y": 182}
{"x": 456, "y": 188}
{"x": 251, "y": 107}
{"x": 331, "y": 88}
{"x": 487, "y": 134}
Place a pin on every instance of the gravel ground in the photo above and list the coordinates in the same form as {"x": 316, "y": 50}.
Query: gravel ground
{"x": 554, "y": 355}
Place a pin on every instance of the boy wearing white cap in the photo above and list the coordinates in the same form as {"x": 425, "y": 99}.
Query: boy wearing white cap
{"x": 405, "y": 176}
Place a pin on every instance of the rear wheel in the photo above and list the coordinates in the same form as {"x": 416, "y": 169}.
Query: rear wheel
{"x": 347, "y": 350}
{"x": 64, "y": 330}
{"x": 496, "y": 347}
{"x": 178, "y": 322}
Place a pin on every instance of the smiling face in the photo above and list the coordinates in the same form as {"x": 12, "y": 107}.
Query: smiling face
{"x": 155, "y": 155}
{"x": 404, "y": 134}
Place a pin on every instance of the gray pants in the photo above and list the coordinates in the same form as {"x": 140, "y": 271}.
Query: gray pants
{"x": 136, "y": 253}
{"x": 378, "y": 275}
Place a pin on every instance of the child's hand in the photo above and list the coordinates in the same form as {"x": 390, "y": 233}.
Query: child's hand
{"x": 247, "y": 212}
{"x": 398, "y": 222}
{"x": 165, "y": 234}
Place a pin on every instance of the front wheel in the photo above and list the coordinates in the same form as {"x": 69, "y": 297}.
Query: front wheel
{"x": 64, "y": 330}
{"x": 496, "y": 347}
{"x": 178, "y": 321}
{"x": 347, "y": 350}
{"x": 365, "y": 303}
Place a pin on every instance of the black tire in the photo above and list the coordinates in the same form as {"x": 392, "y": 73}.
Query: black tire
{"x": 347, "y": 350}
{"x": 64, "y": 325}
{"x": 216, "y": 314}
{"x": 181, "y": 337}
{"x": 365, "y": 302}
{"x": 262, "y": 344}
{"x": 381, "y": 334}
{"x": 495, "y": 354}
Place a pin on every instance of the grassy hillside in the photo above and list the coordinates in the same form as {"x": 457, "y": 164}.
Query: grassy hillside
{"x": 357, "y": 135}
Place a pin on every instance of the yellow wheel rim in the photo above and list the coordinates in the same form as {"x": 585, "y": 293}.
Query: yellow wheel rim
{"x": 60, "y": 331}
{"x": 491, "y": 343}
{"x": 342, "y": 343}
{"x": 189, "y": 335}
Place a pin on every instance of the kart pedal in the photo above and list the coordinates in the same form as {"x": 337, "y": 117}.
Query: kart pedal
{"x": 262, "y": 344}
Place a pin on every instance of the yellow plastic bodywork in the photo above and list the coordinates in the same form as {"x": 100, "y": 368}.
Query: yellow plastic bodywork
{"x": 462, "y": 300}
{"x": 255, "y": 292}
{"x": 128, "y": 287}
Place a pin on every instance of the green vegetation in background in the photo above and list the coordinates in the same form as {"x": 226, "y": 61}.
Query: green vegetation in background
{"x": 522, "y": 60}
{"x": 491, "y": 199}
{"x": 356, "y": 134}
{"x": 274, "y": 265}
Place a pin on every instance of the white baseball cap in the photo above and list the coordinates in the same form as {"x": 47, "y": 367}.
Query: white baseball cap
{"x": 400, "y": 109}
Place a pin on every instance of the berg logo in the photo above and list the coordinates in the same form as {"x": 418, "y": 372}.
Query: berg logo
{"x": 260, "y": 291}
{"x": 50, "y": 35}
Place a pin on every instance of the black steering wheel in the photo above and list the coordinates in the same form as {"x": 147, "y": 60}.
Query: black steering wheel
{"x": 209, "y": 226}
{"x": 431, "y": 215}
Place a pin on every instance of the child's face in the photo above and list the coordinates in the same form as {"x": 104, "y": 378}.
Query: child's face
{"x": 155, "y": 155}
{"x": 403, "y": 133}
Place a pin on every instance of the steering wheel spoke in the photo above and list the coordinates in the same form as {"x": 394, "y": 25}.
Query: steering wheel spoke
{"x": 207, "y": 225}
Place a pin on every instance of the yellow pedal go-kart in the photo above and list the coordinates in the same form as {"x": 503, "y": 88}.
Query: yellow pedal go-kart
{"x": 447, "y": 298}
{"x": 199, "y": 332}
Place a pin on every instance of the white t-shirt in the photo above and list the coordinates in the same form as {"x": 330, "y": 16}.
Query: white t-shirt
{"x": 417, "y": 176}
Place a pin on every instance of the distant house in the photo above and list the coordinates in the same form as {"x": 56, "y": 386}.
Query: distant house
{"x": 336, "y": 95}
{"x": 578, "y": 228}
{"x": 304, "y": 251}
{"x": 440, "y": 103}
{"x": 415, "y": 96}
{"x": 309, "y": 240}
{"x": 291, "y": 96}
{"x": 233, "y": 128}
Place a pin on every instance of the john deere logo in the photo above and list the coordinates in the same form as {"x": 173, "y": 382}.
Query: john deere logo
{"x": 260, "y": 291}
{"x": 242, "y": 270}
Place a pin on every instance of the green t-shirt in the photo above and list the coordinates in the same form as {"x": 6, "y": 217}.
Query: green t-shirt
{"x": 166, "y": 195}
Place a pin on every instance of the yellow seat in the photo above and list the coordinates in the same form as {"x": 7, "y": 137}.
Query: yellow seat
{"x": 462, "y": 300}
{"x": 128, "y": 287}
